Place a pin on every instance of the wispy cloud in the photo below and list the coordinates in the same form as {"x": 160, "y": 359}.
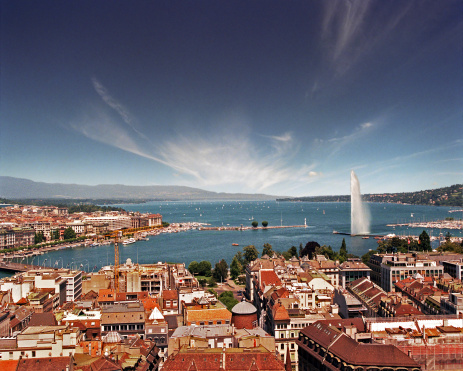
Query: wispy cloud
{"x": 225, "y": 157}
{"x": 351, "y": 29}
{"x": 116, "y": 106}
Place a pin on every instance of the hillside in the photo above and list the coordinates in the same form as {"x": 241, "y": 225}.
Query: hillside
{"x": 17, "y": 188}
{"x": 446, "y": 196}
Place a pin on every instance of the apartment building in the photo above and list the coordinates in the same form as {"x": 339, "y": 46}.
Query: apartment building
{"x": 399, "y": 266}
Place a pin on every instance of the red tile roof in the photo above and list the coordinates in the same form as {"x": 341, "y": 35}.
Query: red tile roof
{"x": 170, "y": 295}
{"x": 359, "y": 354}
{"x": 8, "y": 365}
{"x": 269, "y": 277}
{"x": 44, "y": 364}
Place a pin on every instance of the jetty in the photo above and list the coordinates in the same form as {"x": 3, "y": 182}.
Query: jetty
{"x": 9, "y": 266}
{"x": 242, "y": 228}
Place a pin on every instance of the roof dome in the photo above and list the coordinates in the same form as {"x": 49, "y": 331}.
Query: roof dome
{"x": 244, "y": 308}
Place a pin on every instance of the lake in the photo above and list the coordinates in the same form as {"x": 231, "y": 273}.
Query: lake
{"x": 321, "y": 219}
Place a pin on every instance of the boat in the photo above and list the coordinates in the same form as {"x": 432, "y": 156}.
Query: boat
{"x": 235, "y": 244}
{"x": 365, "y": 238}
{"x": 129, "y": 241}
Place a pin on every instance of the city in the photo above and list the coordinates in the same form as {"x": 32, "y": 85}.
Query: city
{"x": 175, "y": 176}
{"x": 407, "y": 306}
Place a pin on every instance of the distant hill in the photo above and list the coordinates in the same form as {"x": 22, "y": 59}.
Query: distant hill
{"x": 17, "y": 188}
{"x": 446, "y": 196}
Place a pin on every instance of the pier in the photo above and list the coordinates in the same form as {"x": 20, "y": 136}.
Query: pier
{"x": 241, "y": 228}
{"x": 17, "y": 267}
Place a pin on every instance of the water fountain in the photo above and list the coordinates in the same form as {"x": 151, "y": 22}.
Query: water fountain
{"x": 359, "y": 214}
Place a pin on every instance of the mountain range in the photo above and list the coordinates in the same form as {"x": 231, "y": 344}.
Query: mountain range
{"x": 18, "y": 188}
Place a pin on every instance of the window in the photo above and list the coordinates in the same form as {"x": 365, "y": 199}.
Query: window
{"x": 210, "y": 323}
{"x": 282, "y": 346}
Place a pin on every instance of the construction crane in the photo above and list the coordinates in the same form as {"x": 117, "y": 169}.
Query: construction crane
{"x": 116, "y": 260}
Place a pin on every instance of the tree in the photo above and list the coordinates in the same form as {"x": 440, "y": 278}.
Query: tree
{"x": 293, "y": 251}
{"x": 193, "y": 267}
{"x": 264, "y": 224}
{"x": 204, "y": 268}
{"x": 267, "y": 250}
{"x": 39, "y": 237}
{"x": 309, "y": 249}
{"x": 69, "y": 233}
{"x": 425, "y": 242}
{"x": 250, "y": 254}
{"x": 228, "y": 299}
{"x": 56, "y": 235}
{"x": 343, "y": 251}
{"x": 255, "y": 223}
{"x": 221, "y": 271}
{"x": 235, "y": 268}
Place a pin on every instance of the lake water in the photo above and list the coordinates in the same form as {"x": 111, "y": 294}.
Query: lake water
{"x": 322, "y": 219}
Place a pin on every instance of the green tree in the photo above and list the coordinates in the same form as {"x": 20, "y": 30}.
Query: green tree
{"x": 267, "y": 250}
{"x": 204, "y": 268}
{"x": 39, "y": 237}
{"x": 250, "y": 254}
{"x": 425, "y": 242}
{"x": 255, "y": 223}
{"x": 193, "y": 267}
{"x": 235, "y": 268}
{"x": 293, "y": 251}
{"x": 55, "y": 234}
{"x": 343, "y": 251}
{"x": 309, "y": 249}
{"x": 265, "y": 224}
{"x": 220, "y": 272}
{"x": 228, "y": 299}
{"x": 69, "y": 233}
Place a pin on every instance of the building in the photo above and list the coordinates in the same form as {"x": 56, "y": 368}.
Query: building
{"x": 41, "y": 342}
{"x": 454, "y": 268}
{"x": 399, "y": 266}
{"x": 352, "y": 270}
{"x": 125, "y": 318}
{"x": 323, "y": 347}
{"x": 227, "y": 359}
{"x": 453, "y": 304}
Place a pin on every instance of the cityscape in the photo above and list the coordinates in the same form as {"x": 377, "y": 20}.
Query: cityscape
{"x": 231, "y": 185}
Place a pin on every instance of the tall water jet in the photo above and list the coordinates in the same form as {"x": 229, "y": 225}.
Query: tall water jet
{"x": 359, "y": 213}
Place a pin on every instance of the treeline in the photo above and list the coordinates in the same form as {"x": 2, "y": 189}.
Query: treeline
{"x": 73, "y": 205}
{"x": 446, "y": 196}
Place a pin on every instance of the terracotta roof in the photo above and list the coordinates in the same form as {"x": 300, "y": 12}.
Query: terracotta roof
{"x": 170, "y": 295}
{"x": 204, "y": 315}
{"x": 279, "y": 312}
{"x": 403, "y": 309}
{"x": 256, "y": 359}
{"x": 348, "y": 350}
{"x": 8, "y": 365}
{"x": 44, "y": 364}
{"x": 269, "y": 277}
{"x": 43, "y": 319}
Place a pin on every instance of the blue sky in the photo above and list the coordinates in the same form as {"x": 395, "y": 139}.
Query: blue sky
{"x": 276, "y": 97}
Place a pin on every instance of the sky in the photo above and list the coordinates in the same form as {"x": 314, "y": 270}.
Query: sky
{"x": 277, "y": 97}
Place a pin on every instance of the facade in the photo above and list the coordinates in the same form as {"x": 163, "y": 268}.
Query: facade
{"x": 453, "y": 304}
{"x": 125, "y": 318}
{"x": 113, "y": 222}
{"x": 352, "y": 270}
{"x": 454, "y": 268}
{"x": 40, "y": 342}
{"x": 16, "y": 237}
{"x": 399, "y": 266}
